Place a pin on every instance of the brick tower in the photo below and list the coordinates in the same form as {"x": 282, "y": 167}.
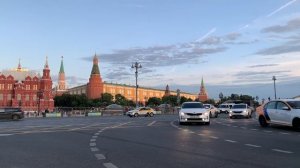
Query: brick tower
{"x": 167, "y": 91}
{"x": 45, "y": 89}
{"x": 202, "y": 95}
{"x": 95, "y": 85}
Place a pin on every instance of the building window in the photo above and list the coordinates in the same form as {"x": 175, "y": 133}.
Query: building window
{"x": 19, "y": 97}
{"x": 9, "y": 86}
{"x": 27, "y": 97}
{"x": 34, "y": 87}
{"x": 34, "y": 97}
{"x": 1, "y": 86}
{"x": 8, "y": 96}
{"x": 129, "y": 92}
{"x": 27, "y": 87}
{"x": 1, "y": 96}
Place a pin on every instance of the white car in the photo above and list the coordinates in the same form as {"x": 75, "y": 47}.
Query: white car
{"x": 282, "y": 112}
{"x": 141, "y": 111}
{"x": 213, "y": 111}
{"x": 224, "y": 108}
{"x": 240, "y": 110}
{"x": 193, "y": 112}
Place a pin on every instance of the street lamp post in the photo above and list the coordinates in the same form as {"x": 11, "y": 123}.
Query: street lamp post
{"x": 274, "y": 79}
{"x": 136, "y": 65}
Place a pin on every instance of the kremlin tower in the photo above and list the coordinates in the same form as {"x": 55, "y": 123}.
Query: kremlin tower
{"x": 167, "y": 91}
{"x": 95, "y": 85}
{"x": 61, "y": 88}
{"x": 202, "y": 95}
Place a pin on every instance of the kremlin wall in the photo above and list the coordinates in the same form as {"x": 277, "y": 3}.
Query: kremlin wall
{"x": 28, "y": 90}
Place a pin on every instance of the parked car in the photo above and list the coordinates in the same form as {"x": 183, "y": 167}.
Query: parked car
{"x": 193, "y": 112}
{"x": 224, "y": 108}
{"x": 114, "y": 109}
{"x": 213, "y": 111}
{"x": 141, "y": 111}
{"x": 11, "y": 113}
{"x": 281, "y": 112}
{"x": 240, "y": 110}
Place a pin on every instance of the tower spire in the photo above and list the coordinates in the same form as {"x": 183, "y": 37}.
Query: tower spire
{"x": 95, "y": 69}
{"x": 62, "y": 69}
{"x": 19, "y": 65}
{"x": 46, "y": 64}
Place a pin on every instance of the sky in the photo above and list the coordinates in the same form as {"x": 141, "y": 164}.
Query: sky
{"x": 236, "y": 46}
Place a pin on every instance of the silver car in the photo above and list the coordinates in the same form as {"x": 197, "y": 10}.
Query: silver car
{"x": 213, "y": 111}
{"x": 240, "y": 110}
{"x": 193, "y": 112}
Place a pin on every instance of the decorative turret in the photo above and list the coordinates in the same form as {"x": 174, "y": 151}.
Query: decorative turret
{"x": 61, "y": 76}
{"x": 167, "y": 91}
{"x": 95, "y": 85}
{"x": 202, "y": 95}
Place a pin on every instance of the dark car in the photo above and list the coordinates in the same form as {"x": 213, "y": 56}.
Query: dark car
{"x": 11, "y": 113}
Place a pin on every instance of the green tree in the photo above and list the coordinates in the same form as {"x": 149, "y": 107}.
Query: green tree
{"x": 154, "y": 101}
{"x": 121, "y": 100}
{"x": 170, "y": 100}
{"x": 106, "y": 99}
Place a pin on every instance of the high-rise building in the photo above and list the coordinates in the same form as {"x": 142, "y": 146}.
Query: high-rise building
{"x": 203, "y": 96}
{"x": 20, "y": 87}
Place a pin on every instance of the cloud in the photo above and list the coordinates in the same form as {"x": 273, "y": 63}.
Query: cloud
{"x": 262, "y": 65}
{"x": 281, "y": 8}
{"x": 291, "y": 25}
{"x": 281, "y": 49}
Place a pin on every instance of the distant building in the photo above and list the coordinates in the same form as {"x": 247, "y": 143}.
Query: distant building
{"x": 202, "y": 96}
{"x": 26, "y": 89}
{"x": 95, "y": 87}
{"x": 61, "y": 88}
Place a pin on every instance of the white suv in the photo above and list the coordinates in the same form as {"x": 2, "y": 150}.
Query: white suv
{"x": 282, "y": 112}
{"x": 193, "y": 112}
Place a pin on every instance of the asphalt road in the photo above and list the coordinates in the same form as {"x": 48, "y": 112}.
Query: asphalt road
{"x": 157, "y": 142}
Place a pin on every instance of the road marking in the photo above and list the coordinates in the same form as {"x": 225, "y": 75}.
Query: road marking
{"x": 214, "y": 137}
{"x": 268, "y": 131}
{"x": 251, "y": 145}
{"x": 100, "y": 156}
{"x": 192, "y": 132}
{"x": 94, "y": 149}
{"x": 93, "y": 140}
{"x": 285, "y": 133}
{"x": 96, "y": 134}
{"x": 282, "y": 151}
{"x": 231, "y": 141}
{"x": 254, "y": 129}
{"x": 243, "y": 127}
{"x": 92, "y": 144}
{"x": 235, "y": 126}
{"x": 94, "y": 137}
{"x": 6, "y": 134}
{"x": 109, "y": 165}
{"x": 201, "y": 134}
{"x": 150, "y": 124}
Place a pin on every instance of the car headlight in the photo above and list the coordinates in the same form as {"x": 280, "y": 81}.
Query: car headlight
{"x": 245, "y": 111}
{"x": 206, "y": 113}
{"x": 181, "y": 113}
{"x": 230, "y": 111}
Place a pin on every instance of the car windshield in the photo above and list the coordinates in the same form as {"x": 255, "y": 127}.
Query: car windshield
{"x": 192, "y": 105}
{"x": 206, "y": 105}
{"x": 239, "y": 106}
{"x": 223, "y": 106}
{"x": 294, "y": 104}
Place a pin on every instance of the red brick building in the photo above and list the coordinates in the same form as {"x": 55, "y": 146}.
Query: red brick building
{"x": 203, "y": 96}
{"x": 26, "y": 89}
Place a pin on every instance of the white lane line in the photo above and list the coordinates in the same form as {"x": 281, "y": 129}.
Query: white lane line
{"x": 243, "y": 127}
{"x": 100, "y": 156}
{"x": 93, "y": 144}
{"x": 214, "y": 137}
{"x": 94, "y": 149}
{"x": 96, "y": 134}
{"x": 150, "y": 124}
{"x": 109, "y": 165}
{"x": 94, "y": 137}
{"x": 93, "y": 140}
{"x": 251, "y": 145}
{"x": 282, "y": 151}
{"x": 192, "y": 132}
{"x": 285, "y": 133}
{"x": 231, "y": 141}
{"x": 5, "y": 135}
{"x": 254, "y": 129}
{"x": 235, "y": 126}
{"x": 268, "y": 131}
{"x": 201, "y": 134}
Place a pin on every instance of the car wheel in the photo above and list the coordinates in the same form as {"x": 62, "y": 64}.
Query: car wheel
{"x": 210, "y": 115}
{"x": 296, "y": 123}
{"x": 136, "y": 114}
{"x": 216, "y": 115}
{"x": 151, "y": 114}
{"x": 15, "y": 117}
{"x": 262, "y": 121}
